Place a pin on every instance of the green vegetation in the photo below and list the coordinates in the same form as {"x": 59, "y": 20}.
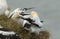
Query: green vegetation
{"x": 24, "y": 34}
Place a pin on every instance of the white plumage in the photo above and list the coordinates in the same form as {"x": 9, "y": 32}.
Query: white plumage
{"x": 16, "y": 14}
{"x": 1, "y": 32}
{"x": 37, "y": 20}
{"x": 3, "y": 6}
{"x": 34, "y": 16}
{"x": 8, "y": 33}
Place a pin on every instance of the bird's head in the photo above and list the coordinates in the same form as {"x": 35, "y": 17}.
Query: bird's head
{"x": 34, "y": 14}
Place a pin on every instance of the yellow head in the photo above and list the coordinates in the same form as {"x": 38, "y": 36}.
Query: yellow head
{"x": 34, "y": 14}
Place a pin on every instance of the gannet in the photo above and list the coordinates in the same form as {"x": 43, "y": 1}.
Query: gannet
{"x": 3, "y": 6}
{"x": 33, "y": 22}
{"x": 35, "y": 17}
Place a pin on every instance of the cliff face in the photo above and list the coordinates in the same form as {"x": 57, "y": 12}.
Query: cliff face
{"x": 24, "y": 34}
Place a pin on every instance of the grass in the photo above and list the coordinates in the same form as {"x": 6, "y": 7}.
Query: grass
{"x": 24, "y": 34}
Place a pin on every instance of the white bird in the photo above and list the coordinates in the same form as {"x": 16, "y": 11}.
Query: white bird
{"x": 34, "y": 16}
{"x": 3, "y": 6}
{"x": 33, "y": 23}
{"x": 37, "y": 21}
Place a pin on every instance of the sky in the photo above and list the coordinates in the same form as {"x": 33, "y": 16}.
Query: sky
{"x": 48, "y": 10}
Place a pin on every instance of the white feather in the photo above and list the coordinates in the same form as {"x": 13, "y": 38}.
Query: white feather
{"x": 8, "y": 33}
{"x": 3, "y": 6}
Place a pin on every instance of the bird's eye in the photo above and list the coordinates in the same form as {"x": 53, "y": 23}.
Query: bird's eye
{"x": 41, "y": 21}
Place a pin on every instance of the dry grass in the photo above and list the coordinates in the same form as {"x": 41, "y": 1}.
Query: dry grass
{"x": 24, "y": 34}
